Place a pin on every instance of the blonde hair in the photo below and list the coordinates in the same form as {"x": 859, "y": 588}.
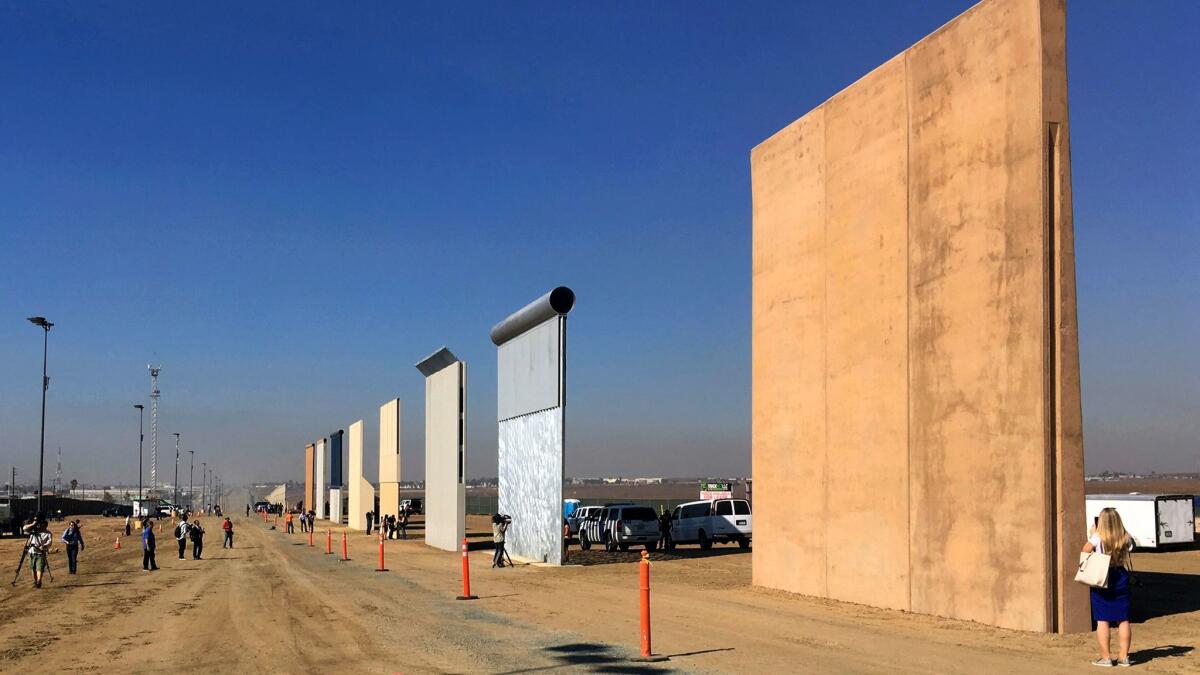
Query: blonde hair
{"x": 1113, "y": 536}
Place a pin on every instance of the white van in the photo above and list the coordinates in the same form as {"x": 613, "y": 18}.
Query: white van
{"x": 705, "y": 522}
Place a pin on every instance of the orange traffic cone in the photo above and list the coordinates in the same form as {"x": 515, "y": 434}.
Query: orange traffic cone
{"x": 118, "y": 545}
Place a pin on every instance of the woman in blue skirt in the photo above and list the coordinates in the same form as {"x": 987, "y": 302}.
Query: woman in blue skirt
{"x": 1111, "y": 604}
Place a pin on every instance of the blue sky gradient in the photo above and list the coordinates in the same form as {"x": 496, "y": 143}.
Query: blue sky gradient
{"x": 288, "y": 205}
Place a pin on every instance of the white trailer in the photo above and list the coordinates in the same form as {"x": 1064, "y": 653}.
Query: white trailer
{"x": 1152, "y": 520}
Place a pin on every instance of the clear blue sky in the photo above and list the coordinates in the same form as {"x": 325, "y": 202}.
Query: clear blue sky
{"x": 289, "y": 204}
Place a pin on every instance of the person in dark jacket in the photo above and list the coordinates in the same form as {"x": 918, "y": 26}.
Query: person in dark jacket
{"x": 73, "y": 538}
{"x": 148, "y": 563}
{"x": 196, "y": 532}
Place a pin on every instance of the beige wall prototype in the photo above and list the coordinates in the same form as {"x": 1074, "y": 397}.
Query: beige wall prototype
{"x": 445, "y": 458}
{"x": 361, "y": 493}
{"x": 917, "y": 440}
{"x": 389, "y": 457}
{"x": 309, "y": 476}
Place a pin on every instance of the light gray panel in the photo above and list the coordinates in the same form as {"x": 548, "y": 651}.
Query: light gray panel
{"x": 319, "y": 480}
{"x": 445, "y": 490}
{"x": 528, "y": 371}
{"x": 530, "y": 489}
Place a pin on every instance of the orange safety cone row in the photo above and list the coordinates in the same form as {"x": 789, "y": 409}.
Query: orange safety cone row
{"x": 117, "y": 546}
{"x": 466, "y": 575}
{"x": 345, "y": 551}
{"x": 328, "y": 541}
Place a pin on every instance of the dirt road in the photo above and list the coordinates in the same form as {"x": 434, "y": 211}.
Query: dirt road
{"x": 273, "y": 604}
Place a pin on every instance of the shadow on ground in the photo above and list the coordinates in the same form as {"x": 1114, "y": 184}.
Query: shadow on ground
{"x": 598, "y": 556}
{"x": 1161, "y": 652}
{"x": 1157, "y": 594}
{"x": 592, "y": 657}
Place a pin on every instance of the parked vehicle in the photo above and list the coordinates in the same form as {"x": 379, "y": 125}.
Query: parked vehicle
{"x": 619, "y": 527}
{"x": 117, "y": 511}
{"x": 579, "y": 515}
{"x": 706, "y": 522}
{"x": 590, "y": 531}
{"x": 414, "y": 504}
{"x": 1153, "y": 520}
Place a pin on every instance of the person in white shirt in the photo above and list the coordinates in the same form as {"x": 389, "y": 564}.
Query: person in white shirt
{"x": 181, "y": 534}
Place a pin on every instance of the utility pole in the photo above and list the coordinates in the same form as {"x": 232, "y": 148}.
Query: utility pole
{"x": 175, "y": 503}
{"x": 58, "y": 472}
{"x": 154, "y": 394}
{"x": 141, "y": 436}
{"x": 41, "y": 322}
{"x": 203, "y": 473}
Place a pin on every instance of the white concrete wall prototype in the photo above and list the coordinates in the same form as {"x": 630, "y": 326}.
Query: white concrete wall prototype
{"x": 322, "y": 489}
{"x": 335, "y": 506}
{"x": 389, "y": 457}
{"x": 531, "y": 397}
{"x": 445, "y": 457}
{"x": 362, "y": 494}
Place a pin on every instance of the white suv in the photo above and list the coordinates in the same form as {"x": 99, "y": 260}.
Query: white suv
{"x": 720, "y": 520}
{"x": 618, "y": 526}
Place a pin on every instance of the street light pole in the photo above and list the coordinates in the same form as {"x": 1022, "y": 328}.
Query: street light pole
{"x": 176, "y": 472}
{"x": 141, "y": 436}
{"x": 203, "y": 473}
{"x": 191, "y": 468}
{"x": 45, "y": 325}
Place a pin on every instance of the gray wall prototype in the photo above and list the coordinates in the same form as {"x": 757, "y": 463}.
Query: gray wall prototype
{"x": 530, "y": 403}
{"x": 321, "y": 487}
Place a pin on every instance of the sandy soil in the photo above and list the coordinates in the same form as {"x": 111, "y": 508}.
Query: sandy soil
{"x": 273, "y": 604}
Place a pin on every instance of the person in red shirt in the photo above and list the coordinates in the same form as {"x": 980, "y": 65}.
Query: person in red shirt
{"x": 227, "y": 527}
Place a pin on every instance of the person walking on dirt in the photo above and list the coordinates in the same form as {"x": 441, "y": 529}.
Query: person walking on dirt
{"x": 227, "y": 527}
{"x": 128, "y": 525}
{"x": 370, "y": 520}
{"x": 38, "y": 548}
{"x": 196, "y": 532}
{"x": 287, "y": 519}
{"x": 304, "y": 521}
{"x": 148, "y": 563}
{"x": 403, "y": 524}
{"x": 73, "y": 538}
{"x": 181, "y": 534}
{"x": 664, "y": 528}
{"x": 247, "y": 510}
{"x": 499, "y": 527}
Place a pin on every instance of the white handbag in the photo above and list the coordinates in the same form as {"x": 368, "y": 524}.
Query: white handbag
{"x": 1093, "y": 569}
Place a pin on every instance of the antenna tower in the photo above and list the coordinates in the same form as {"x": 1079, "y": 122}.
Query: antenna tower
{"x": 154, "y": 393}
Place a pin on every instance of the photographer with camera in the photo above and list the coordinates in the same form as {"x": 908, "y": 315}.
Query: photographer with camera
{"x": 500, "y": 523}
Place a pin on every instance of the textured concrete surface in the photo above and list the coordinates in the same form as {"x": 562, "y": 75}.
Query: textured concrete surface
{"x": 530, "y": 485}
{"x": 389, "y": 457}
{"x": 361, "y": 494}
{"x": 445, "y": 457}
{"x": 917, "y": 439}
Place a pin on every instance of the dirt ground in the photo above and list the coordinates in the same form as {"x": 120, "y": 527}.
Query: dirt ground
{"x": 273, "y": 604}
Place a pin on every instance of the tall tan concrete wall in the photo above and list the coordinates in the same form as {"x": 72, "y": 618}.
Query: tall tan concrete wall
{"x": 917, "y": 438}
{"x": 361, "y": 492}
{"x": 309, "y": 476}
{"x": 389, "y": 457}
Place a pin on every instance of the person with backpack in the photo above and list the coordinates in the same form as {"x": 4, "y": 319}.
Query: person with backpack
{"x": 73, "y": 538}
{"x": 128, "y": 525}
{"x": 196, "y": 532}
{"x": 227, "y": 527}
{"x": 38, "y": 548}
{"x": 148, "y": 563}
{"x": 181, "y": 535}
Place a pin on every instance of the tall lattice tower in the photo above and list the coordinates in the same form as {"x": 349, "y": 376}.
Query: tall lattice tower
{"x": 154, "y": 393}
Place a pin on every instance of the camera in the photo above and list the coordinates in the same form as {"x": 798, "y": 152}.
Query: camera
{"x": 501, "y": 518}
